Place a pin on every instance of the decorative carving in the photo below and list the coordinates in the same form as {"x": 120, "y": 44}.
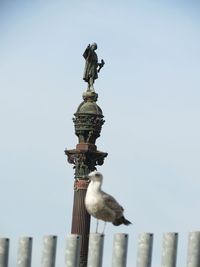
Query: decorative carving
{"x": 85, "y": 161}
{"x": 88, "y": 121}
{"x": 81, "y": 184}
{"x": 88, "y": 127}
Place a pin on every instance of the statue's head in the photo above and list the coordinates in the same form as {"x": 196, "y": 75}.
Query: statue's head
{"x": 94, "y": 46}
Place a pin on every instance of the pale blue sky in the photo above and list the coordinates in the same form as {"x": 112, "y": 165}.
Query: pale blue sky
{"x": 149, "y": 93}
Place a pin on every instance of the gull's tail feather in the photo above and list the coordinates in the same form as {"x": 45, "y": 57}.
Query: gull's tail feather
{"x": 121, "y": 220}
{"x": 126, "y": 222}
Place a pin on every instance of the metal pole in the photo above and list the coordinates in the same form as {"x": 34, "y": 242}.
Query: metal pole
{"x": 81, "y": 224}
{"x": 4, "y": 252}
{"x": 120, "y": 246}
{"x": 88, "y": 121}
{"x": 145, "y": 247}
{"x": 72, "y": 253}
{"x": 49, "y": 251}
{"x": 24, "y": 252}
{"x": 169, "y": 253}
{"x": 95, "y": 254}
{"x": 193, "y": 255}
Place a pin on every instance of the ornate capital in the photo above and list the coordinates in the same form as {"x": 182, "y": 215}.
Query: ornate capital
{"x": 85, "y": 161}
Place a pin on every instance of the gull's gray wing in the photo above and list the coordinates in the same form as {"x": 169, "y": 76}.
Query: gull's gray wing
{"x": 112, "y": 203}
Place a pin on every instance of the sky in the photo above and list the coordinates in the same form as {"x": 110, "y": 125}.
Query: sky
{"x": 149, "y": 93}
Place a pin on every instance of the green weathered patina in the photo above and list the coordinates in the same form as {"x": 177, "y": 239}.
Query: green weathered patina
{"x": 88, "y": 121}
{"x": 92, "y": 67}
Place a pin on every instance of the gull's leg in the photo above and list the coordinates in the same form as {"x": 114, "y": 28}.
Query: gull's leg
{"x": 97, "y": 225}
{"x": 104, "y": 227}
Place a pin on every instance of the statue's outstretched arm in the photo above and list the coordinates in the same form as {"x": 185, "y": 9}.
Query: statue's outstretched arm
{"x": 85, "y": 54}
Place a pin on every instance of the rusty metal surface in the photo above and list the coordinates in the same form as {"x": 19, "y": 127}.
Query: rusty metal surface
{"x": 81, "y": 224}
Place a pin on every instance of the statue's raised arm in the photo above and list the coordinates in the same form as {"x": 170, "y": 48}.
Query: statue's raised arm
{"x": 92, "y": 67}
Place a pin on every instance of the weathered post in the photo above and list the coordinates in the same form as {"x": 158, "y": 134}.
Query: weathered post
{"x": 49, "y": 251}
{"x": 72, "y": 254}
{"x": 193, "y": 255}
{"x": 95, "y": 254}
{"x": 4, "y": 252}
{"x": 24, "y": 252}
{"x": 169, "y": 252}
{"x": 120, "y": 245}
{"x": 88, "y": 121}
{"x": 145, "y": 246}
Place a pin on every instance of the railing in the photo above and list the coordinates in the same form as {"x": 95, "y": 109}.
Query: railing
{"x": 95, "y": 254}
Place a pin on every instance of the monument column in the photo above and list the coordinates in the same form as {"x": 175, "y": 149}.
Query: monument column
{"x": 88, "y": 121}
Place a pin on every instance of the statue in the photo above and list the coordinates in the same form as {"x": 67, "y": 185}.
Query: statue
{"x": 92, "y": 67}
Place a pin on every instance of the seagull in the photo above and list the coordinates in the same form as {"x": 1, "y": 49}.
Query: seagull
{"x": 101, "y": 205}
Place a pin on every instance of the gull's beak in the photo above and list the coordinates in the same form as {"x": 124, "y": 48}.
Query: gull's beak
{"x": 88, "y": 177}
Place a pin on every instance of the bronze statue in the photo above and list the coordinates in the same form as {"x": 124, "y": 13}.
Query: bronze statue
{"x": 92, "y": 67}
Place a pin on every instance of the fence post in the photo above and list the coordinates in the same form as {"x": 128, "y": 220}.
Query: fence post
{"x": 95, "y": 253}
{"x": 120, "y": 246}
{"x": 145, "y": 247}
{"x": 24, "y": 252}
{"x": 4, "y": 252}
{"x": 72, "y": 253}
{"x": 49, "y": 251}
{"x": 169, "y": 252}
{"x": 193, "y": 255}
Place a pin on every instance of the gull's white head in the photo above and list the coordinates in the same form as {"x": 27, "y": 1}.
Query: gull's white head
{"x": 96, "y": 176}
